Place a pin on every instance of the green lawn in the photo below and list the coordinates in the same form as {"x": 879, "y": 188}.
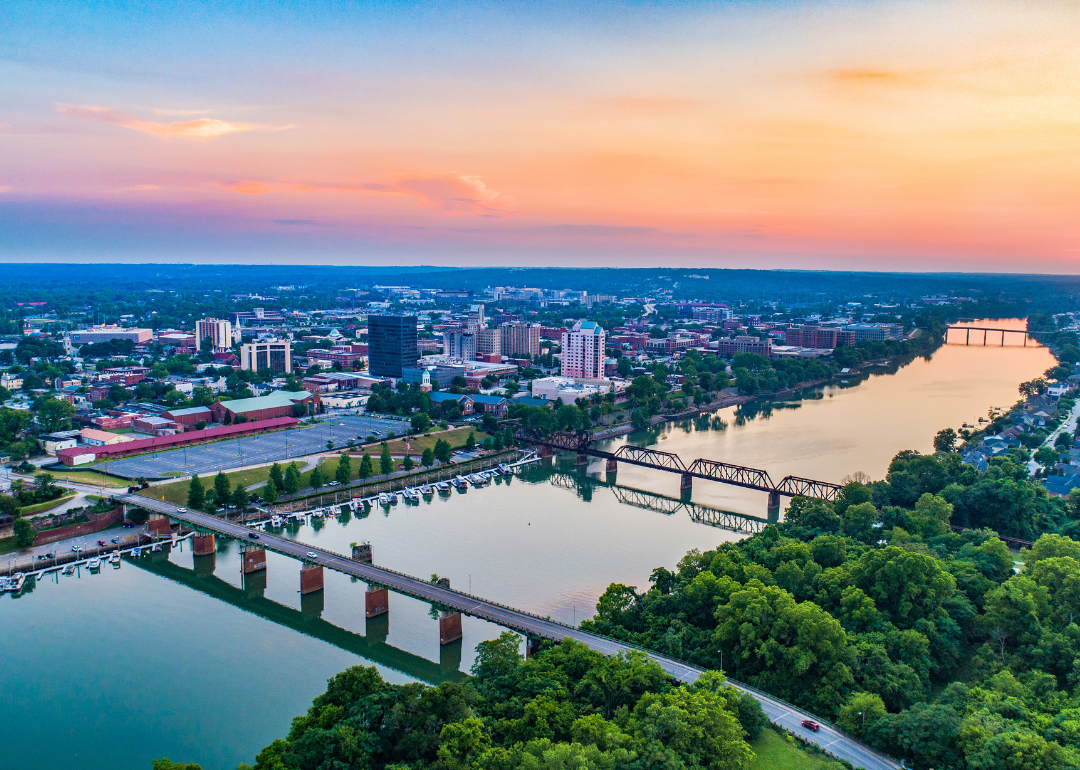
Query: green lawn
{"x": 774, "y": 751}
{"x": 33, "y": 510}
{"x": 455, "y": 437}
{"x": 86, "y": 477}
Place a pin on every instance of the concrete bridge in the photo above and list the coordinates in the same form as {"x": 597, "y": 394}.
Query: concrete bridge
{"x": 986, "y": 331}
{"x": 701, "y": 468}
{"x": 456, "y": 603}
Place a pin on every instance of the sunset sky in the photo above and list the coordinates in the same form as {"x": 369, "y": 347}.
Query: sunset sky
{"x": 866, "y": 135}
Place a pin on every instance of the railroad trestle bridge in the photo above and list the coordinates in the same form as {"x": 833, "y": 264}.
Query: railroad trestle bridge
{"x": 709, "y": 470}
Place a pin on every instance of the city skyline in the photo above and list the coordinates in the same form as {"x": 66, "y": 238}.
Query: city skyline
{"x": 876, "y": 136}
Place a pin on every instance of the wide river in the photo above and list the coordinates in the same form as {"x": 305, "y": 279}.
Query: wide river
{"x": 182, "y": 658}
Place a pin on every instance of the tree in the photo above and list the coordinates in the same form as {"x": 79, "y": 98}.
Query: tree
{"x": 639, "y": 419}
{"x": 407, "y": 463}
{"x": 292, "y": 479}
{"x": 196, "y": 496}
{"x": 201, "y": 395}
{"x": 54, "y": 414}
{"x": 316, "y": 479}
{"x": 625, "y": 368}
{"x": 860, "y": 713}
{"x": 442, "y": 451}
{"x": 167, "y": 764}
{"x": 420, "y": 422}
{"x": 945, "y": 440}
{"x": 386, "y": 462}
{"x": 427, "y": 458}
{"x": 366, "y": 467}
{"x": 24, "y": 533}
{"x": 270, "y": 492}
{"x": 239, "y": 497}
{"x": 344, "y": 469}
{"x": 221, "y": 489}
{"x": 470, "y": 441}
{"x": 277, "y": 476}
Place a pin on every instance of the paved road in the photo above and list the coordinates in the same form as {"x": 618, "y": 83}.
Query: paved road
{"x": 828, "y": 738}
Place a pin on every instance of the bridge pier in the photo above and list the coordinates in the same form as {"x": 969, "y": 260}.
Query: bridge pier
{"x": 686, "y": 482}
{"x": 311, "y": 579}
{"x": 968, "y": 341}
{"x": 362, "y": 553}
{"x": 376, "y": 601}
{"x": 532, "y": 645}
{"x": 545, "y": 451}
{"x": 159, "y": 525}
{"x": 774, "y": 506}
{"x": 203, "y": 544}
{"x": 612, "y": 465}
{"x": 254, "y": 560}
{"x": 582, "y": 460}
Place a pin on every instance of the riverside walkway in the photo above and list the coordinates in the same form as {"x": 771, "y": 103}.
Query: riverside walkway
{"x": 785, "y": 715}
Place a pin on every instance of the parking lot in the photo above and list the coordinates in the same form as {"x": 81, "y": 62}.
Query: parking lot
{"x": 255, "y": 450}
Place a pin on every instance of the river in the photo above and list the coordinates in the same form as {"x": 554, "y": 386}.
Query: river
{"x": 180, "y": 657}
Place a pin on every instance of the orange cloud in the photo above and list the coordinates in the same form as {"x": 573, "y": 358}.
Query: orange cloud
{"x": 202, "y": 128}
{"x": 451, "y": 194}
{"x": 866, "y": 76}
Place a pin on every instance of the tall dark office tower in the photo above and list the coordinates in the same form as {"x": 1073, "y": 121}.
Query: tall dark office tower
{"x": 391, "y": 344}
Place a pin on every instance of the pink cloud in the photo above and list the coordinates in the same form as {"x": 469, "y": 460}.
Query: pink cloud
{"x": 201, "y": 128}
{"x": 448, "y": 194}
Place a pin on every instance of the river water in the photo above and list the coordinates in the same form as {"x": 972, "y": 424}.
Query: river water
{"x": 181, "y": 657}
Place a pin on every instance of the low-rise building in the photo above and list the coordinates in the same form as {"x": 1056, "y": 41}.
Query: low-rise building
{"x": 726, "y": 348}
{"x": 187, "y": 419}
{"x": 280, "y": 403}
{"x": 92, "y": 437}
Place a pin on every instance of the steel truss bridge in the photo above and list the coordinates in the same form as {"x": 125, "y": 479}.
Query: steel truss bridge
{"x": 701, "y": 468}
{"x": 738, "y": 523}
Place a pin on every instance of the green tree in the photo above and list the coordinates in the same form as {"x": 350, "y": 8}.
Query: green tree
{"x": 420, "y": 422}
{"x": 945, "y": 440}
{"x": 201, "y": 395}
{"x": 292, "y": 479}
{"x": 168, "y": 764}
{"x": 442, "y": 451}
{"x": 316, "y": 479}
{"x": 221, "y": 489}
{"x": 24, "y": 533}
{"x": 906, "y": 586}
{"x": 427, "y": 458}
{"x": 277, "y": 476}
{"x": 639, "y": 419}
{"x": 270, "y": 492}
{"x": 407, "y": 463}
{"x": 470, "y": 441}
{"x": 860, "y": 714}
{"x": 366, "y": 466}
{"x": 239, "y": 498}
{"x": 54, "y": 414}
{"x": 386, "y": 462}
{"x": 196, "y": 496}
{"x": 344, "y": 469}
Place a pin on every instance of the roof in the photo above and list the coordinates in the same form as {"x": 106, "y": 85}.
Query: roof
{"x": 485, "y": 399}
{"x": 439, "y": 396}
{"x": 190, "y": 410}
{"x": 270, "y": 401}
{"x": 529, "y": 401}
{"x": 102, "y": 435}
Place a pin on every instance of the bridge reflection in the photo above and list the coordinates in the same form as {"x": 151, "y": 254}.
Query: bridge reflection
{"x": 306, "y": 620}
{"x": 584, "y": 486}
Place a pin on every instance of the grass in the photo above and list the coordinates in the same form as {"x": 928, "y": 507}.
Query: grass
{"x": 36, "y": 508}
{"x": 7, "y": 545}
{"x": 455, "y": 437}
{"x": 773, "y": 751}
{"x": 87, "y": 477}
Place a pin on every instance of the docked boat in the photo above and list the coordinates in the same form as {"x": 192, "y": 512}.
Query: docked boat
{"x": 461, "y": 484}
{"x": 384, "y": 499}
{"x": 68, "y": 570}
{"x": 411, "y": 495}
{"x": 275, "y": 521}
{"x": 5, "y": 584}
{"x": 443, "y": 487}
{"x": 114, "y": 559}
{"x": 427, "y": 490}
{"x": 155, "y": 547}
{"x": 505, "y": 469}
{"x": 15, "y": 582}
{"x": 137, "y": 551}
{"x": 94, "y": 564}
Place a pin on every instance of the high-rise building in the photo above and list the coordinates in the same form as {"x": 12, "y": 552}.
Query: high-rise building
{"x": 519, "y": 339}
{"x": 273, "y": 356}
{"x": 583, "y": 351}
{"x": 217, "y": 330}
{"x": 489, "y": 342}
{"x": 475, "y": 320}
{"x": 459, "y": 344}
{"x": 391, "y": 344}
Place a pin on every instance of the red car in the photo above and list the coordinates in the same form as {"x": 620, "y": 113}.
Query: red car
{"x": 810, "y": 724}
{"x": 101, "y": 543}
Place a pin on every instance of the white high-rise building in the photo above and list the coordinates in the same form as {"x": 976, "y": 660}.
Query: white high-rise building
{"x": 583, "y": 351}
{"x": 217, "y": 330}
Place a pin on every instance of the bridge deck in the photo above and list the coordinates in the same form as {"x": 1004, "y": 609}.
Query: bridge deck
{"x": 783, "y": 714}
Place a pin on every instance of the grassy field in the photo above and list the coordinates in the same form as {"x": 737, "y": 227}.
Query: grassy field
{"x": 456, "y": 438}
{"x": 33, "y": 510}
{"x": 87, "y": 477}
{"x": 775, "y": 752}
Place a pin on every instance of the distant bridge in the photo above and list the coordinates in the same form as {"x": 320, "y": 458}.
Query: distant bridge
{"x": 987, "y": 329}
{"x": 709, "y": 470}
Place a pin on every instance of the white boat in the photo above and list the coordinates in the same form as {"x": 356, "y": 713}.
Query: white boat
{"x": 427, "y": 490}
{"x": 155, "y": 547}
{"x": 317, "y": 513}
{"x": 460, "y": 483}
{"x": 353, "y": 505}
{"x": 384, "y": 499}
{"x": 275, "y": 521}
{"x": 443, "y": 487}
{"x": 68, "y": 570}
{"x": 411, "y": 495}
{"x": 114, "y": 558}
{"x": 94, "y": 564}
{"x": 5, "y": 584}
{"x": 136, "y": 551}
{"x": 505, "y": 469}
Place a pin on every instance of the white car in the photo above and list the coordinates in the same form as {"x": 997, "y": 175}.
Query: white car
{"x": 181, "y": 510}
{"x": 312, "y": 555}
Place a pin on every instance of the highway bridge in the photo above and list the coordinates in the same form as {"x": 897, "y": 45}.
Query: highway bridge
{"x": 532, "y": 626}
{"x": 986, "y": 330}
{"x": 701, "y": 468}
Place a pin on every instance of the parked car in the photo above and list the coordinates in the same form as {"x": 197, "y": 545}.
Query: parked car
{"x": 253, "y": 535}
{"x": 810, "y": 724}
{"x": 101, "y": 543}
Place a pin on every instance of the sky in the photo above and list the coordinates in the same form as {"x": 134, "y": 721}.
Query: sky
{"x": 889, "y": 135}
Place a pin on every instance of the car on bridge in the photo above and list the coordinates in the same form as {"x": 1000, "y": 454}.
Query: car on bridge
{"x": 810, "y": 724}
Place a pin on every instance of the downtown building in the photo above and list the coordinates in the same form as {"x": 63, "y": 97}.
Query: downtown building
{"x": 519, "y": 339}
{"x": 391, "y": 345}
{"x": 583, "y": 351}
{"x": 217, "y": 330}
{"x": 275, "y": 356}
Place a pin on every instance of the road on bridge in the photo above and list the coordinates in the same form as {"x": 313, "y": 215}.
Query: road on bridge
{"x": 829, "y": 738}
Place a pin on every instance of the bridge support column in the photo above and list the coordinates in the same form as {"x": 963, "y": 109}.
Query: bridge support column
{"x": 203, "y": 544}
{"x": 311, "y": 579}
{"x": 686, "y": 482}
{"x": 159, "y": 525}
{"x": 774, "y": 506}
{"x": 449, "y": 627}
{"x": 254, "y": 560}
{"x": 532, "y": 646}
{"x": 582, "y": 460}
{"x": 545, "y": 451}
{"x": 612, "y": 465}
{"x": 362, "y": 553}
{"x": 968, "y": 341}
{"x": 376, "y": 601}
